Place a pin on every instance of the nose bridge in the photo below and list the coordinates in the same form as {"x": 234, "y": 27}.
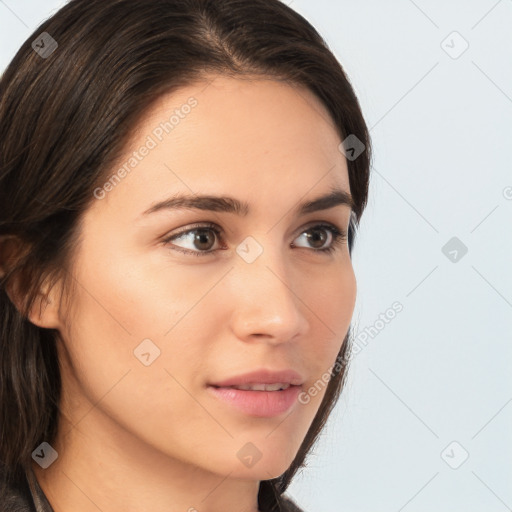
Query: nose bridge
{"x": 265, "y": 303}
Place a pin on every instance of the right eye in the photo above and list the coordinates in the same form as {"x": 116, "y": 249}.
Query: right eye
{"x": 202, "y": 235}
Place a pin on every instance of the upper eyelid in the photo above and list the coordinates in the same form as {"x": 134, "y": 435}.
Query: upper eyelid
{"x": 215, "y": 227}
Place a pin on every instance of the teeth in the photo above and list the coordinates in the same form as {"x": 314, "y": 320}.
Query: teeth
{"x": 262, "y": 387}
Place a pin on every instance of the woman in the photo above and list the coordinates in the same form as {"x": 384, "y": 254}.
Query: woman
{"x": 180, "y": 185}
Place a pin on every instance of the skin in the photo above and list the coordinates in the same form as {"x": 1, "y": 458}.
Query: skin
{"x": 135, "y": 437}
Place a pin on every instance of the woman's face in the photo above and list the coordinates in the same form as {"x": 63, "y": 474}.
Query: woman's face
{"x": 153, "y": 326}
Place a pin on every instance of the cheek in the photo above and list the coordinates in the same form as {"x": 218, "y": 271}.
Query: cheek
{"x": 124, "y": 320}
{"x": 131, "y": 311}
{"x": 130, "y": 299}
{"x": 116, "y": 306}
{"x": 331, "y": 301}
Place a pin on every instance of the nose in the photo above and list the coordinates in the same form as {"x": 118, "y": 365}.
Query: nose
{"x": 266, "y": 303}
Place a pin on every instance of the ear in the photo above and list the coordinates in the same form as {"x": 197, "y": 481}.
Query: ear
{"x": 45, "y": 310}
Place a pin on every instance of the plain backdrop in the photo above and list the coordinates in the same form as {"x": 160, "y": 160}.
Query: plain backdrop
{"x": 425, "y": 421}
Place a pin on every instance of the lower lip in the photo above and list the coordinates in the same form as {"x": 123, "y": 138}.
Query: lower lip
{"x": 264, "y": 404}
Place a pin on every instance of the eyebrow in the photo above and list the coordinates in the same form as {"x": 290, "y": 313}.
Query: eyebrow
{"x": 228, "y": 204}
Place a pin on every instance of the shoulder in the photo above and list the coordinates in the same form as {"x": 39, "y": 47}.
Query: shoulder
{"x": 288, "y": 505}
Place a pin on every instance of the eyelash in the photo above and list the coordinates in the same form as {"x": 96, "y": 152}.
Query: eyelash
{"x": 339, "y": 237}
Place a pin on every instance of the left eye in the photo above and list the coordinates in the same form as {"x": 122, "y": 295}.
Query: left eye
{"x": 200, "y": 244}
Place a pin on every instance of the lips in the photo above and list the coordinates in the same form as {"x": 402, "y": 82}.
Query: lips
{"x": 260, "y": 377}
{"x": 261, "y": 393}
{"x": 263, "y": 404}
{"x": 278, "y": 386}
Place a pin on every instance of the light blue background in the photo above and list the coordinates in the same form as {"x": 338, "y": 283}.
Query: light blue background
{"x": 436, "y": 373}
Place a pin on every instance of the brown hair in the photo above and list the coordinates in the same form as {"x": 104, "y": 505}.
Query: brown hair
{"x": 66, "y": 114}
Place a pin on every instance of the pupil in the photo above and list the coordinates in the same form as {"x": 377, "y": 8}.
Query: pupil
{"x": 321, "y": 238}
{"x": 202, "y": 237}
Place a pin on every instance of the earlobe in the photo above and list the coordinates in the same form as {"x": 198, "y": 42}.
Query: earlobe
{"x": 45, "y": 310}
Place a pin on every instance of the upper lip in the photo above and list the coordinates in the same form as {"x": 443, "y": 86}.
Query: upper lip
{"x": 263, "y": 376}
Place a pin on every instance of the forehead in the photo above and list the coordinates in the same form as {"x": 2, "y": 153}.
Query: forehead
{"x": 227, "y": 135}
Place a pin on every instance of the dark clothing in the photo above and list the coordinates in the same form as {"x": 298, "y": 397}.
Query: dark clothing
{"x": 27, "y": 496}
